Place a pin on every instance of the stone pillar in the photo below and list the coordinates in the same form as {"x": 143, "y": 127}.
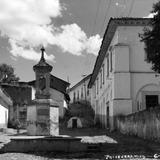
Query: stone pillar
{"x": 43, "y": 118}
{"x": 47, "y": 83}
{"x": 43, "y": 112}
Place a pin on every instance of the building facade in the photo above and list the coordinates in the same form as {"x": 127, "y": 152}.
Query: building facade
{"x": 20, "y": 94}
{"x": 80, "y": 91}
{"x": 122, "y": 81}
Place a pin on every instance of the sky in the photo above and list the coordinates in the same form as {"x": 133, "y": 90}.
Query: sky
{"x": 70, "y": 30}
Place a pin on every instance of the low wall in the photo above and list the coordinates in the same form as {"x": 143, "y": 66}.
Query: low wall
{"x": 45, "y": 144}
{"x": 144, "y": 124}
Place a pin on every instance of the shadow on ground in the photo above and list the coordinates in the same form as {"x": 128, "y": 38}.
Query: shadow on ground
{"x": 125, "y": 144}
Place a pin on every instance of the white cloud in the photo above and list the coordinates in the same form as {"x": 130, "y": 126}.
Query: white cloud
{"x": 93, "y": 44}
{"x": 74, "y": 40}
{"x": 29, "y": 23}
{"x": 151, "y": 15}
{"x": 29, "y": 53}
{"x": 71, "y": 39}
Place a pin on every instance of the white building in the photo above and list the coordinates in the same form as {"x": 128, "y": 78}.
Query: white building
{"x": 5, "y": 104}
{"x": 80, "y": 91}
{"x": 122, "y": 81}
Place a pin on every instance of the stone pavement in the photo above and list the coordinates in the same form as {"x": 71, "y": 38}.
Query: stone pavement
{"x": 124, "y": 144}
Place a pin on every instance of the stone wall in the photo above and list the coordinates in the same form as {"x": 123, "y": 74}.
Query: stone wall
{"x": 144, "y": 124}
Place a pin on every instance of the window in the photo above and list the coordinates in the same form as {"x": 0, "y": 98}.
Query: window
{"x": 110, "y": 61}
{"x": 78, "y": 95}
{"x": 82, "y": 92}
{"x": 97, "y": 85}
{"x": 103, "y": 73}
{"x": 107, "y": 65}
{"x": 87, "y": 92}
{"x": 101, "y": 79}
{"x": 94, "y": 87}
{"x": 74, "y": 97}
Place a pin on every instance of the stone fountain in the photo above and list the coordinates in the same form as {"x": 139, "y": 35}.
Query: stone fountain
{"x": 42, "y": 112}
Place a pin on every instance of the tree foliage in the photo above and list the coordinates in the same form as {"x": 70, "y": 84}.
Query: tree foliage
{"x": 151, "y": 39}
{"x": 7, "y": 74}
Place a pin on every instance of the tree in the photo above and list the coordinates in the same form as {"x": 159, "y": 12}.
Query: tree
{"x": 151, "y": 39}
{"x": 7, "y": 74}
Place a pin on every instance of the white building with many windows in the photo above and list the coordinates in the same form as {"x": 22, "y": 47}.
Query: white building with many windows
{"x": 80, "y": 91}
{"x": 122, "y": 81}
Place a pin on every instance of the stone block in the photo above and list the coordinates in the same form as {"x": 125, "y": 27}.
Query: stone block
{"x": 43, "y": 118}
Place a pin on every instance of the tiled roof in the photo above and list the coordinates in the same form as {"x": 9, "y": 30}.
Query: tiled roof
{"x": 80, "y": 82}
{"x": 20, "y": 92}
{"x": 55, "y": 83}
{"x": 6, "y": 96}
{"x": 41, "y": 64}
{"x": 107, "y": 38}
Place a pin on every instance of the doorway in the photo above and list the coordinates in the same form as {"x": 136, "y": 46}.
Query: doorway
{"x": 107, "y": 114}
{"x": 151, "y": 101}
{"x": 74, "y": 123}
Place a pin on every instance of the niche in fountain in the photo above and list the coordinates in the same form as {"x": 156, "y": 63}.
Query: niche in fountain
{"x": 43, "y": 112}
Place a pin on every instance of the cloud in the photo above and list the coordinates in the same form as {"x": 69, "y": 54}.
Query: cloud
{"x": 30, "y": 23}
{"x": 151, "y": 15}
{"x": 74, "y": 40}
{"x": 71, "y": 39}
{"x": 93, "y": 44}
{"x": 30, "y": 53}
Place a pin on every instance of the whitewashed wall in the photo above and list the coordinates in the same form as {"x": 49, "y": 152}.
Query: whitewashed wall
{"x": 130, "y": 73}
{"x": 79, "y": 90}
{"x": 3, "y": 116}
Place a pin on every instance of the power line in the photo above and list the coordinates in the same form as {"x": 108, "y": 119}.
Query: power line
{"x": 106, "y": 15}
{"x": 124, "y": 8}
{"x": 130, "y": 10}
{"x": 93, "y": 30}
{"x": 125, "y": 5}
{"x": 95, "y": 20}
{"x": 121, "y": 7}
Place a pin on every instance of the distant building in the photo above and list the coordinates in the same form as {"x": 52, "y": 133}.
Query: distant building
{"x": 80, "y": 91}
{"x": 20, "y": 94}
{"x": 23, "y": 92}
{"x": 5, "y": 105}
{"x": 122, "y": 81}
